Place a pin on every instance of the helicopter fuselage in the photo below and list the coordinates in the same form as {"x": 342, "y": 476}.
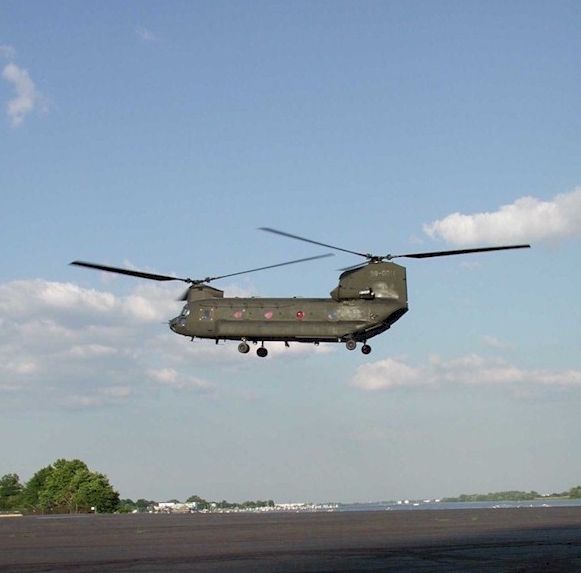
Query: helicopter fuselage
{"x": 366, "y": 302}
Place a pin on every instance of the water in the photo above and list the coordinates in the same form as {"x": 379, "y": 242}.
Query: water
{"x": 422, "y": 505}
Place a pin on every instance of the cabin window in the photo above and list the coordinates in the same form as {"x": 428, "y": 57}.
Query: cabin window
{"x": 206, "y": 314}
{"x": 367, "y": 294}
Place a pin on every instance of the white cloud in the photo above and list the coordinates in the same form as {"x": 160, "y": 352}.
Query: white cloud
{"x": 64, "y": 345}
{"x": 21, "y": 366}
{"x": 494, "y": 342}
{"x": 527, "y": 219}
{"x": 471, "y": 369}
{"x": 239, "y": 291}
{"x": 102, "y": 397}
{"x": 7, "y": 52}
{"x": 145, "y": 34}
{"x": 27, "y": 96}
{"x": 69, "y": 296}
{"x": 49, "y": 299}
{"x": 387, "y": 374}
{"x": 173, "y": 379}
{"x": 90, "y": 350}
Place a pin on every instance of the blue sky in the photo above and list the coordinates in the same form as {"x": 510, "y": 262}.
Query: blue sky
{"x": 161, "y": 135}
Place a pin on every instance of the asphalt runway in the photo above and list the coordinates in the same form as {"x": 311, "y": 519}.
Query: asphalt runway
{"x": 539, "y": 540}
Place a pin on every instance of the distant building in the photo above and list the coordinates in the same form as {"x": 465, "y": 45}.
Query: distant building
{"x": 173, "y": 507}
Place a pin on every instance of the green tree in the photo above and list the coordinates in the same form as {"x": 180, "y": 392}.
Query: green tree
{"x": 10, "y": 492}
{"x": 31, "y": 493}
{"x": 126, "y": 506}
{"x": 143, "y": 505}
{"x": 60, "y": 488}
{"x": 69, "y": 486}
{"x": 575, "y": 492}
{"x": 93, "y": 490}
{"x": 200, "y": 502}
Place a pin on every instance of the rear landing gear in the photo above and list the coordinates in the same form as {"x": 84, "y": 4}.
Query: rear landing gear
{"x": 262, "y": 352}
{"x": 351, "y": 345}
{"x": 243, "y": 348}
{"x": 366, "y": 349}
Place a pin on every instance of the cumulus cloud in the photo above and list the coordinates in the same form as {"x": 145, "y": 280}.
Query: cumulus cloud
{"x": 49, "y": 299}
{"x": 471, "y": 369}
{"x": 69, "y": 346}
{"x": 27, "y": 97}
{"x": 102, "y": 397}
{"x": 494, "y": 342}
{"x": 64, "y": 345}
{"x": 527, "y": 219}
{"x": 91, "y": 350}
{"x": 145, "y": 34}
{"x": 173, "y": 379}
{"x": 388, "y": 373}
{"x": 7, "y": 52}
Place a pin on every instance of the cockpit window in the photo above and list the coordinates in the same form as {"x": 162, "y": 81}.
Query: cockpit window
{"x": 185, "y": 311}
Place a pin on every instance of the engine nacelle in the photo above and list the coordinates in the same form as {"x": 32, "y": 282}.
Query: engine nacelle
{"x": 373, "y": 281}
{"x": 201, "y": 292}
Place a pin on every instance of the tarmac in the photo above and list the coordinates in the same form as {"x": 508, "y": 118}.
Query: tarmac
{"x": 519, "y": 540}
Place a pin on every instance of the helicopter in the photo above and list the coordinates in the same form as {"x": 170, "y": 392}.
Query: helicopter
{"x": 369, "y": 299}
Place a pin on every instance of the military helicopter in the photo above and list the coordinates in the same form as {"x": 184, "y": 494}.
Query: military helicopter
{"x": 369, "y": 298}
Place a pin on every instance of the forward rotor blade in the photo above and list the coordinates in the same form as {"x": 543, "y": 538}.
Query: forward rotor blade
{"x": 459, "y": 252}
{"x": 129, "y": 272}
{"x": 283, "y": 234}
{"x": 270, "y": 267}
{"x": 353, "y": 267}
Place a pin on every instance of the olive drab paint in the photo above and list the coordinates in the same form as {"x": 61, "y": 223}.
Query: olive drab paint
{"x": 367, "y": 301}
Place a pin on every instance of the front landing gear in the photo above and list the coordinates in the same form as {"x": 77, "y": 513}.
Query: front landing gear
{"x": 351, "y": 345}
{"x": 243, "y": 348}
{"x": 262, "y": 352}
{"x": 366, "y": 349}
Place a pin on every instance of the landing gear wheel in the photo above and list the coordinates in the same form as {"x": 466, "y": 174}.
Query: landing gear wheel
{"x": 366, "y": 349}
{"x": 262, "y": 352}
{"x": 351, "y": 345}
{"x": 243, "y": 348}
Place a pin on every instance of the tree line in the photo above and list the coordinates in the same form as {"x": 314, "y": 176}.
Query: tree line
{"x": 515, "y": 495}
{"x": 66, "y": 486}
{"x": 203, "y": 504}
{"x": 69, "y": 486}
{"x": 141, "y": 505}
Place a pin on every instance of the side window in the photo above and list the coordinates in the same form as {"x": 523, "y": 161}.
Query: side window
{"x": 206, "y": 314}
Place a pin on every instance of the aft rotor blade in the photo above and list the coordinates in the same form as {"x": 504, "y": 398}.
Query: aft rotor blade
{"x": 459, "y": 252}
{"x": 283, "y": 234}
{"x": 129, "y": 272}
{"x": 270, "y": 267}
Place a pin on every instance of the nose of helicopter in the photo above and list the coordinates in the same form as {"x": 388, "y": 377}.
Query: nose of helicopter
{"x": 177, "y": 324}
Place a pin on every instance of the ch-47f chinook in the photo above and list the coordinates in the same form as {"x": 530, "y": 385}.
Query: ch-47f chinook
{"x": 369, "y": 298}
